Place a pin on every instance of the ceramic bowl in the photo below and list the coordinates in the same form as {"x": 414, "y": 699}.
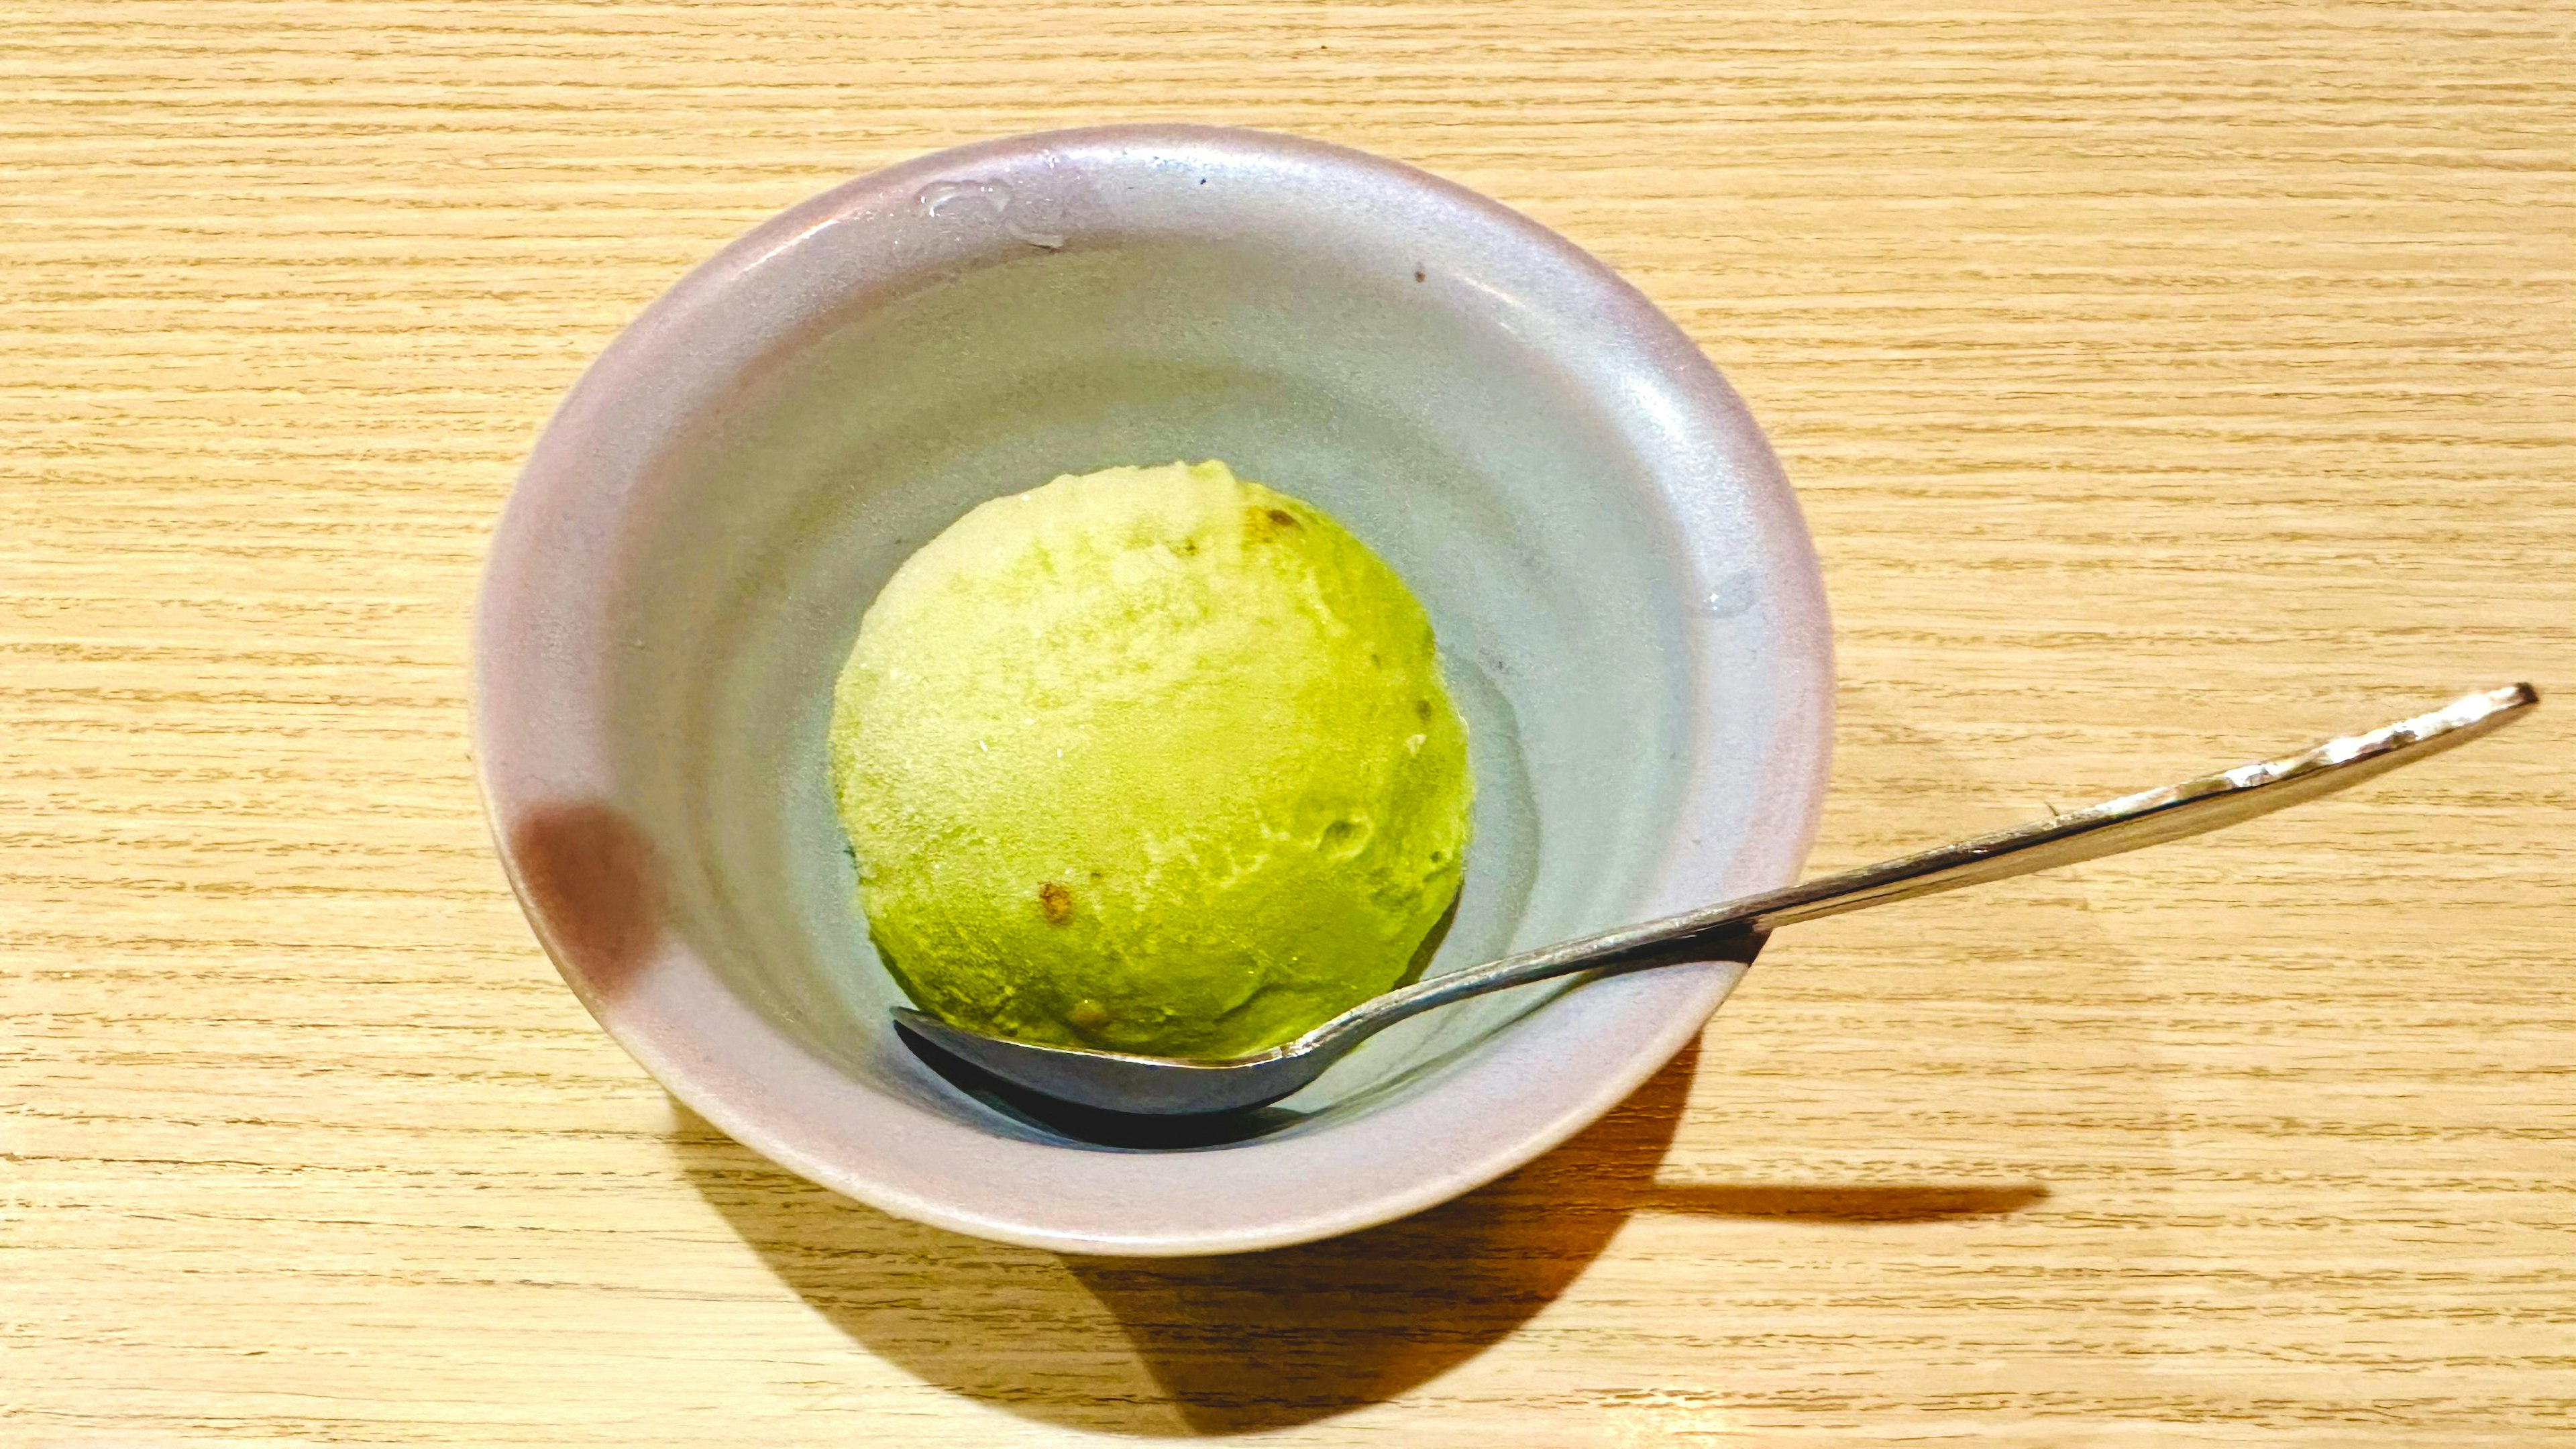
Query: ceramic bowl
{"x": 1629, "y": 610}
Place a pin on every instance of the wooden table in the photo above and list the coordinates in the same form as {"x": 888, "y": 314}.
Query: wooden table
{"x": 2164, "y": 382}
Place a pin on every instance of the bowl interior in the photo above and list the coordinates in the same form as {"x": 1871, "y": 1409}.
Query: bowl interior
{"x": 1506, "y": 500}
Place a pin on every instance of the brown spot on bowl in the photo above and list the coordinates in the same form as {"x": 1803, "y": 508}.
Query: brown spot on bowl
{"x": 592, "y": 879}
{"x": 1056, "y": 900}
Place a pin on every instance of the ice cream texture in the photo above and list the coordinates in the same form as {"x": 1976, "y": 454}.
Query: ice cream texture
{"x": 1151, "y": 760}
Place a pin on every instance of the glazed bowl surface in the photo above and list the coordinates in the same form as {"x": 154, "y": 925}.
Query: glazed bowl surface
{"x": 1630, "y": 615}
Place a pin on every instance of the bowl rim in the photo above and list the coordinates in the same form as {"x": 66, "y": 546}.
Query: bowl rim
{"x": 534, "y": 742}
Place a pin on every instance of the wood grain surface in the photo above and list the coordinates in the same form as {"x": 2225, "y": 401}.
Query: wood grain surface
{"x": 2165, "y": 381}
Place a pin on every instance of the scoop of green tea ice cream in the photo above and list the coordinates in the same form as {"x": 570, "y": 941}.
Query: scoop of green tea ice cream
{"x": 1151, "y": 759}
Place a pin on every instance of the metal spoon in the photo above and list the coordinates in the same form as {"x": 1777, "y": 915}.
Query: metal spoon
{"x": 1164, "y": 1086}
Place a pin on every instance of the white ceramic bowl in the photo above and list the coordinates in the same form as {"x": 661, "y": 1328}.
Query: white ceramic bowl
{"x": 1630, "y": 612}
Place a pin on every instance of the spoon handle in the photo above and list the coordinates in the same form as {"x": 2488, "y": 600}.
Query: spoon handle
{"x": 2130, "y": 822}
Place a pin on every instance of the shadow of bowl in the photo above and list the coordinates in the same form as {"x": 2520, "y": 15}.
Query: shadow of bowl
{"x": 1253, "y": 1341}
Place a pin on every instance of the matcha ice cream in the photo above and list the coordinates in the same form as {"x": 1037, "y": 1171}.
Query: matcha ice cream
{"x": 1152, "y": 760}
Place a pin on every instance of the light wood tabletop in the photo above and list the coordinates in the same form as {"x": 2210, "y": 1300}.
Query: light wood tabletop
{"x": 2165, "y": 382}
